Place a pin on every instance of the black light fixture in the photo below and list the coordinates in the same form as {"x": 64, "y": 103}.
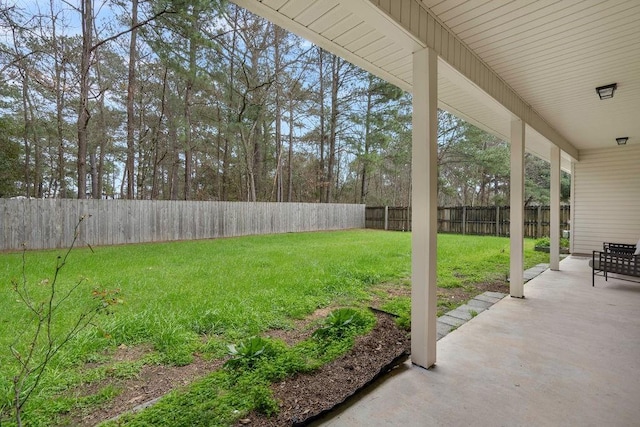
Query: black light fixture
{"x": 622, "y": 140}
{"x": 606, "y": 92}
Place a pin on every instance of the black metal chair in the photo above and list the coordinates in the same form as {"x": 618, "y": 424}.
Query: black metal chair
{"x": 615, "y": 258}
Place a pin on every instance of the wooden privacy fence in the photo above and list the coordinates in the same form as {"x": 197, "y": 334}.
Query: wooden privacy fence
{"x": 388, "y": 218}
{"x": 50, "y": 223}
{"x": 484, "y": 220}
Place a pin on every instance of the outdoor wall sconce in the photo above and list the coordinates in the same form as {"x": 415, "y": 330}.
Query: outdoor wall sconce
{"x": 622, "y": 140}
{"x": 606, "y": 92}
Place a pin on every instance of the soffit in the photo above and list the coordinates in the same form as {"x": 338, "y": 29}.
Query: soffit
{"x": 554, "y": 54}
{"x": 551, "y": 53}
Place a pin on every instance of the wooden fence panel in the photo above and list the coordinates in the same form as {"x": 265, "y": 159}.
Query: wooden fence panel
{"x": 477, "y": 220}
{"x": 399, "y": 219}
{"x": 50, "y": 223}
{"x": 374, "y": 217}
{"x": 388, "y": 218}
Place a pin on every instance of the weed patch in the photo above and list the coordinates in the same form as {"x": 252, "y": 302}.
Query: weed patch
{"x": 244, "y": 383}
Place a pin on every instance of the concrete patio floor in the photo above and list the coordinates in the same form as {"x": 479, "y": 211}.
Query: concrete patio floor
{"x": 566, "y": 354}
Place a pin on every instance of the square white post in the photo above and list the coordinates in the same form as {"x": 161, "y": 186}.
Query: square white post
{"x": 516, "y": 196}
{"x": 424, "y": 205}
{"x": 572, "y": 205}
{"x": 554, "y": 227}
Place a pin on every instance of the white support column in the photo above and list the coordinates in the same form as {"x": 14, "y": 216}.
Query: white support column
{"x": 554, "y": 227}
{"x": 572, "y": 205}
{"x": 516, "y": 227}
{"x": 424, "y": 205}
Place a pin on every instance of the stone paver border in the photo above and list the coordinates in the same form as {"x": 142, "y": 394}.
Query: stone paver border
{"x": 461, "y": 315}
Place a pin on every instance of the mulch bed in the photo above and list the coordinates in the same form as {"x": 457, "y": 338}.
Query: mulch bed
{"x": 302, "y": 398}
{"x": 306, "y": 397}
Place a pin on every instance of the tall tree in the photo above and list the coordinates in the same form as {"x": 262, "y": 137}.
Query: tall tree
{"x": 9, "y": 158}
{"x": 60, "y": 59}
{"x": 131, "y": 92}
{"x": 376, "y": 126}
{"x": 322, "y": 128}
{"x": 86, "y": 19}
{"x": 88, "y": 48}
{"x": 336, "y": 65}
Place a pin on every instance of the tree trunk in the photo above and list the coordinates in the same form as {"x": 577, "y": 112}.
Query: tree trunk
{"x": 278, "y": 33}
{"x": 230, "y": 99}
{"x": 98, "y": 146}
{"x": 225, "y": 170}
{"x": 333, "y": 123}
{"x": 37, "y": 168}
{"x": 25, "y": 137}
{"x": 155, "y": 191}
{"x": 290, "y": 159}
{"x": 257, "y": 167}
{"x": 93, "y": 171}
{"x": 83, "y": 109}
{"x": 249, "y": 157}
{"x": 367, "y": 143}
{"x": 131, "y": 90}
{"x": 58, "y": 85}
{"x": 175, "y": 161}
{"x": 188, "y": 94}
{"x": 321, "y": 171}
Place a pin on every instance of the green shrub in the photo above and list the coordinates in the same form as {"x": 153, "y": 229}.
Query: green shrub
{"x": 340, "y": 323}
{"x": 545, "y": 242}
{"x": 249, "y": 352}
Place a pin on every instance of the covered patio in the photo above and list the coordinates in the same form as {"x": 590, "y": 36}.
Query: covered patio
{"x": 557, "y": 352}
{"x": 568, "y": 354}
{"x": 525, "y": 71}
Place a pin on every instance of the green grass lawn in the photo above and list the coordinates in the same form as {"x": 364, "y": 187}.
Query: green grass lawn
{"x": 199, "y": 296}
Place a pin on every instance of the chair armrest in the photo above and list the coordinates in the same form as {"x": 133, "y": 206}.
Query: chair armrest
{"x": 619, "y": 248}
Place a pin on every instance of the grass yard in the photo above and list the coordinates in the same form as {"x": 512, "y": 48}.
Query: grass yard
{"x": 186, "y": 298}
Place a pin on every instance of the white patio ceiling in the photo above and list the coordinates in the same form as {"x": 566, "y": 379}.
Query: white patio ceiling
{"x": 552, "y": 54}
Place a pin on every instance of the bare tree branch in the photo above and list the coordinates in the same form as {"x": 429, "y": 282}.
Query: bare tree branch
{"x": 128, "y": 30}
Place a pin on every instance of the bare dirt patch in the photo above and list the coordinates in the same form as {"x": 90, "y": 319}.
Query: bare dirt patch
{"x": 302, "y": 329}
{"x": 497, "y": 286}
{"x": 455, "y": 295}
{"x": 152, "y": 382}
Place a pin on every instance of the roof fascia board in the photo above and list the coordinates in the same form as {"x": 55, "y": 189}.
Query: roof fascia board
{"x": 379, "y": 19}
{"x": 424, "y": 25}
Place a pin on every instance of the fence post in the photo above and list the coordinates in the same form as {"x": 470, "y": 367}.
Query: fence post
{"x": 498, "y": 221}
{"x": 464, "y": 220}
{"x": 386, "y": 217}
{"x": 539, "y": 224}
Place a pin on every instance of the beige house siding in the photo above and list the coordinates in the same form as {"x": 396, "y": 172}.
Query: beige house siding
{"x": 606, "y": 197}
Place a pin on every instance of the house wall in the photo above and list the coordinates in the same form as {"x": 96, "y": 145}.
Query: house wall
{"x": 606, "y": 197}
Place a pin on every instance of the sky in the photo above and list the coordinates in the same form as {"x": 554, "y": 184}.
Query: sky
{"x": 67, "y": 14}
